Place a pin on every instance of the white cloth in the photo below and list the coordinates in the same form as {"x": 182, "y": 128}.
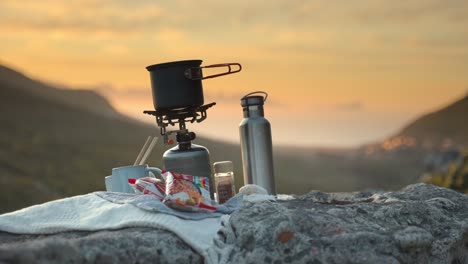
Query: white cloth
{"x": 91, "y": 213}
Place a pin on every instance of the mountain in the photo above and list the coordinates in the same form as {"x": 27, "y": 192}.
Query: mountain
{"x": 81, "y": 99}
{"x": 448, "y": 124}
{"x": 441, "y": 129}
{"x": 47, "y": 145}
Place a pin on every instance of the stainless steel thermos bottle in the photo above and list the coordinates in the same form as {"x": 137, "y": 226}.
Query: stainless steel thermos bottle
{"x": 256, "y": 145}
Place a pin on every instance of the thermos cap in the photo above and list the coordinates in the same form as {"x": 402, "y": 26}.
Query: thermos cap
{"x": 252, "y": 100}
{"x": 223, "y": 166}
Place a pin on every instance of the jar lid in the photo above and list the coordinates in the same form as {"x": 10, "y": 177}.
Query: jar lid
{"x": 223, "y": 166}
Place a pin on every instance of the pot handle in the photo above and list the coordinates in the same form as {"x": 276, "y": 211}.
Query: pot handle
{"x": 196, "y": 73}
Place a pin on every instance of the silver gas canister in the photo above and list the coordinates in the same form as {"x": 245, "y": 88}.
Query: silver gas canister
{"x": 189, "y": 158}
{"x": 256, "y": 145}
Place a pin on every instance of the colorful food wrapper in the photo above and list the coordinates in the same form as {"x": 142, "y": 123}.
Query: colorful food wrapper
{"x": 148, "y": 185}
{"x": 187, "y": 193}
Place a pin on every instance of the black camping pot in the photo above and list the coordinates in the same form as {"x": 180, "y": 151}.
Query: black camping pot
{"x": 178, "y": 84}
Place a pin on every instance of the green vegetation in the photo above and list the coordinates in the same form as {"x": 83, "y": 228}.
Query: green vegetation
{"x": 455, "y": 177}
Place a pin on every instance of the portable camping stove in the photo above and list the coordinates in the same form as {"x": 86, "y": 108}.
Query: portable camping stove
{"x": 171, "y": 117}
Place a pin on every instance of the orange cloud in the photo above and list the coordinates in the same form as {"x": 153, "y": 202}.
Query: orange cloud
{"x": 315, "y": 58}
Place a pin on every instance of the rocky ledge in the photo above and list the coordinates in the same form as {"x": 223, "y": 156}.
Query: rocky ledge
{"x": 419, "y": 224}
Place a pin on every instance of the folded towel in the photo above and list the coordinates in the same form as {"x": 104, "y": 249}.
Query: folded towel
{"x": 91, "y": 213}
{"x": 150, "y": 203}
{"x": 104, "y": 210}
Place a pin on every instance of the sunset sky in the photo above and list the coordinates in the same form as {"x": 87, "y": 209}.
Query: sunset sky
{"x": 338, "y": 73}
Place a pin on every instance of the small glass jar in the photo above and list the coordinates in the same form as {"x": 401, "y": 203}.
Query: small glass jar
{"x": 224, "y": 181}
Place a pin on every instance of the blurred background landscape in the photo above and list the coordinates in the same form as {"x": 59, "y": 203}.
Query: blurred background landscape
{"x": 363, "y": 95}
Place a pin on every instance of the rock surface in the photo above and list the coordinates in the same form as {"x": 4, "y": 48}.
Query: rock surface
{"x": 420, "y": 224}
{"x": 130, "y": 245}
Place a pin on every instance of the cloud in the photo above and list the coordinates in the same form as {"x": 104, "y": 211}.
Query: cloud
{"x": 350, "y": 106}
{"x": 304, "y": 26}
{"x": 382, "y": 11}
{"x": 82, "y": 16}
{"x": 212, "y": 15}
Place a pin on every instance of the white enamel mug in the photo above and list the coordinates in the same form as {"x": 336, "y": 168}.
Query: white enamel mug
{"x": 118, "y": 181}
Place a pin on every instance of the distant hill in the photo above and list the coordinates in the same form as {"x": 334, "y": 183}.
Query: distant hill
{"x": 443, "y": 128}
{"x": 449, "y": 124}
{"x": 81, "y": 99}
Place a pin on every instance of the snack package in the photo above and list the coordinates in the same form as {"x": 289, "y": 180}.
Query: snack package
{"x": 148, "y": 185}
{"x": 187, "y": 193}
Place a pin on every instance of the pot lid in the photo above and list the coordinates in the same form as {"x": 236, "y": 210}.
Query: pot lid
{"x": 191, "y": 63}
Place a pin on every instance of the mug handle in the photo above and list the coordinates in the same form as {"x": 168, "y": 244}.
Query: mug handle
{"x": 156, "y": 171}
{"x": 196, "y": 73}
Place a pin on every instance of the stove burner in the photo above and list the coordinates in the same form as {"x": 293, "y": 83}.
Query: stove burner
{"x": 166, "y": 117}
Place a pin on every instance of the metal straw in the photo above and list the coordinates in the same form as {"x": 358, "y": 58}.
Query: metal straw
{"x": 148, "y": 151}
{"x": 140, "y": 155}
